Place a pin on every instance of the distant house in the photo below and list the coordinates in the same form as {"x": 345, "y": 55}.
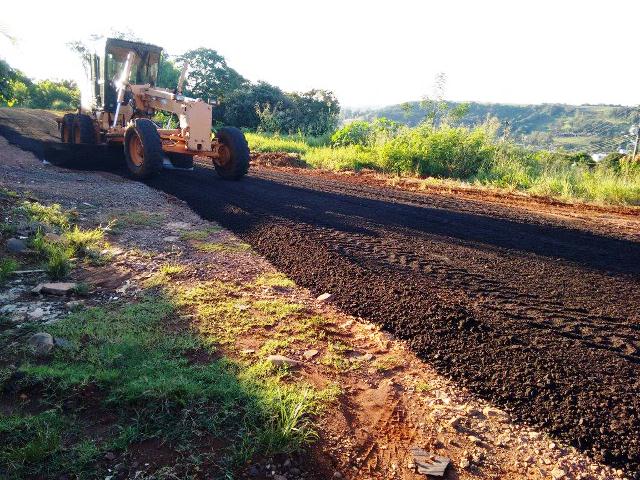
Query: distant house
{"x": 598, "y": 156}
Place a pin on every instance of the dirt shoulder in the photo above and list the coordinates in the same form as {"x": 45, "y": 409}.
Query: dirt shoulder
{"x": 607, "y": 219}
{"x": 375, "y": 399}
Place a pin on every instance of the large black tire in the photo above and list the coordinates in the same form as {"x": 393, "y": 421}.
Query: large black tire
{"x": 84, "y": 130}
{"x": 236, "y": 164}
{"x": 143, "y": 149}
{"x": 66, "y": 128}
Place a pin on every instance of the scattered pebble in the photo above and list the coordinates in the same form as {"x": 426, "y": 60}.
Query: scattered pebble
{"x": 42, "y": 343}
{"x": 36, "y": 314}
{"x": 558, "y": 473}
{"x": 309, "y": 354}
{"x": 16, "y": 245}
{"x": 325, "y": 297}
{"x": 280, "y": 360}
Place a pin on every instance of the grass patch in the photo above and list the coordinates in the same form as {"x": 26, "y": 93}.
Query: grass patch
{"x": 82, "y": 241}
{"x": 201, "y": 235}
{"x": 422, "y": 386}
{"x": 48, "y": 214}
{"x": 388, "y": 362}
{"x": 274, "y": 280}
{"x": 306, "y": 329}
{"x": 146, "y": 381}
{"x": 5, "y": 192}
{"x": 57, "y": 256}
{"x": 284, "y": 143}
{"x": 223, "y": 247}
{"x": 336, "y": 358}
{"x": 59, "y": 250}
{"x": 476, "y": 155}
{"x": 164, "y": 275}
{"x": 7, "y": 267}
{"x": 82, "y": 289}
{"x": 273, "y": 311}
{"x": 137, "y": 219}
{"x": 275, "y": 346}
{"x": 8, "y": 228}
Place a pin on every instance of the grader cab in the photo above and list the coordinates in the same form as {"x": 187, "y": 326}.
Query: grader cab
{"x": 118, "y": 108}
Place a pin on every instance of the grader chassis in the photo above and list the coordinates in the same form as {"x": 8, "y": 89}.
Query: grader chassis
{"x": 117, "y": 110}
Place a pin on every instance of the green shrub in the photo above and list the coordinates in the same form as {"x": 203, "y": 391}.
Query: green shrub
{"x": 476, "y": 155}
{"x": 612, "y": 161}
{"x": 47, "y": 214}
{"x": 450, "y": 152}
{"x": 80, "y": 241}
{"x": 58, "y": 262}
{"x": 7, "y": 267}
{"x": 354, "y": 133}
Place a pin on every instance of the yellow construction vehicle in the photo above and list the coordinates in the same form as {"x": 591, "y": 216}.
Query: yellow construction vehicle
{"x": 122, "y": 98}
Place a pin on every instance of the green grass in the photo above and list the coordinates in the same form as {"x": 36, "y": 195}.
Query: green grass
{"x": 82, "y": 241}
{"x": 223, "y": 247}
{"x": 422, "y": 386}
{"x": 201, "y": 235}
{"x": 142, "y": 374}
{"x": 137, "y": 219}
{"x": 274, "y": 280}
{"x": 335, "y": 357}
{"x": 284, "y": 143}
{"x": 472, "y": 155}
{"x": 164, "y": 275}
{"x": 74, "y": 241}
{"x": 48, "y": 214}
{"x": 7, "y": 267}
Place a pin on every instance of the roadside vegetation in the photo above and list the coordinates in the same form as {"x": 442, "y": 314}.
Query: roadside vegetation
{"x": 159, "y": 370}
{"x": 478, "y": 155}
{"x": 432, "y": 139}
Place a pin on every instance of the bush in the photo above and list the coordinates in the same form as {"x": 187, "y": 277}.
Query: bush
{"x": 364, "y": 133}
{"x": 612, "y": 161}
{"x": 354, "y": 133}
{"x": 7, "y": 267}
{"x": 471, "y": 154}
{"x": 452, "y": 152}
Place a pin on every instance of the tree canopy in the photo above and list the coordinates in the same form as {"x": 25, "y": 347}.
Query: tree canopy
{"x": 237, "y": 101}
{"x": 210, "y": 78}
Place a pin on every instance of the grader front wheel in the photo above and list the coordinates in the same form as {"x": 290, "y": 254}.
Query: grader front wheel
{"x": 233, "y": 150}
{"x": 143, "y": 149}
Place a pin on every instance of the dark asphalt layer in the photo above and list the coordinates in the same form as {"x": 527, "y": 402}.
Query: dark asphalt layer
{"x": 539, "y": 317}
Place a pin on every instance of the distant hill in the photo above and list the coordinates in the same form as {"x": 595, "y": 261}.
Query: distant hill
{"x": 591, "y": 128}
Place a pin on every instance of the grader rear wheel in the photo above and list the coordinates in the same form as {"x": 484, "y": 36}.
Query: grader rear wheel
{"x": 84, "y": 131}
{"x": 143, "y": 149}
{"x": 233, "y": 150}
{"x": 66, "y": 128}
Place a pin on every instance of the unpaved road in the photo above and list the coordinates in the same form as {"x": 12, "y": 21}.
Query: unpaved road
{"x": 538, "y": 314}
{"x": 538, "y": 317}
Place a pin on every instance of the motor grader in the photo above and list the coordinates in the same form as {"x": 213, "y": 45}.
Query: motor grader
{"x": 122, "y": 98}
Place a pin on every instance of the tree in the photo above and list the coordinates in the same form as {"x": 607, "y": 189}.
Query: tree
{"x": 209, "y": 75}
{"x": 314, "y": 112}
{"x": 243, "y": 107}
{"x": 7, "y": 76}
{"x": 435, "y": 105}
{"x": 168, "y": 72}
{"x": 62, "y": 95}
